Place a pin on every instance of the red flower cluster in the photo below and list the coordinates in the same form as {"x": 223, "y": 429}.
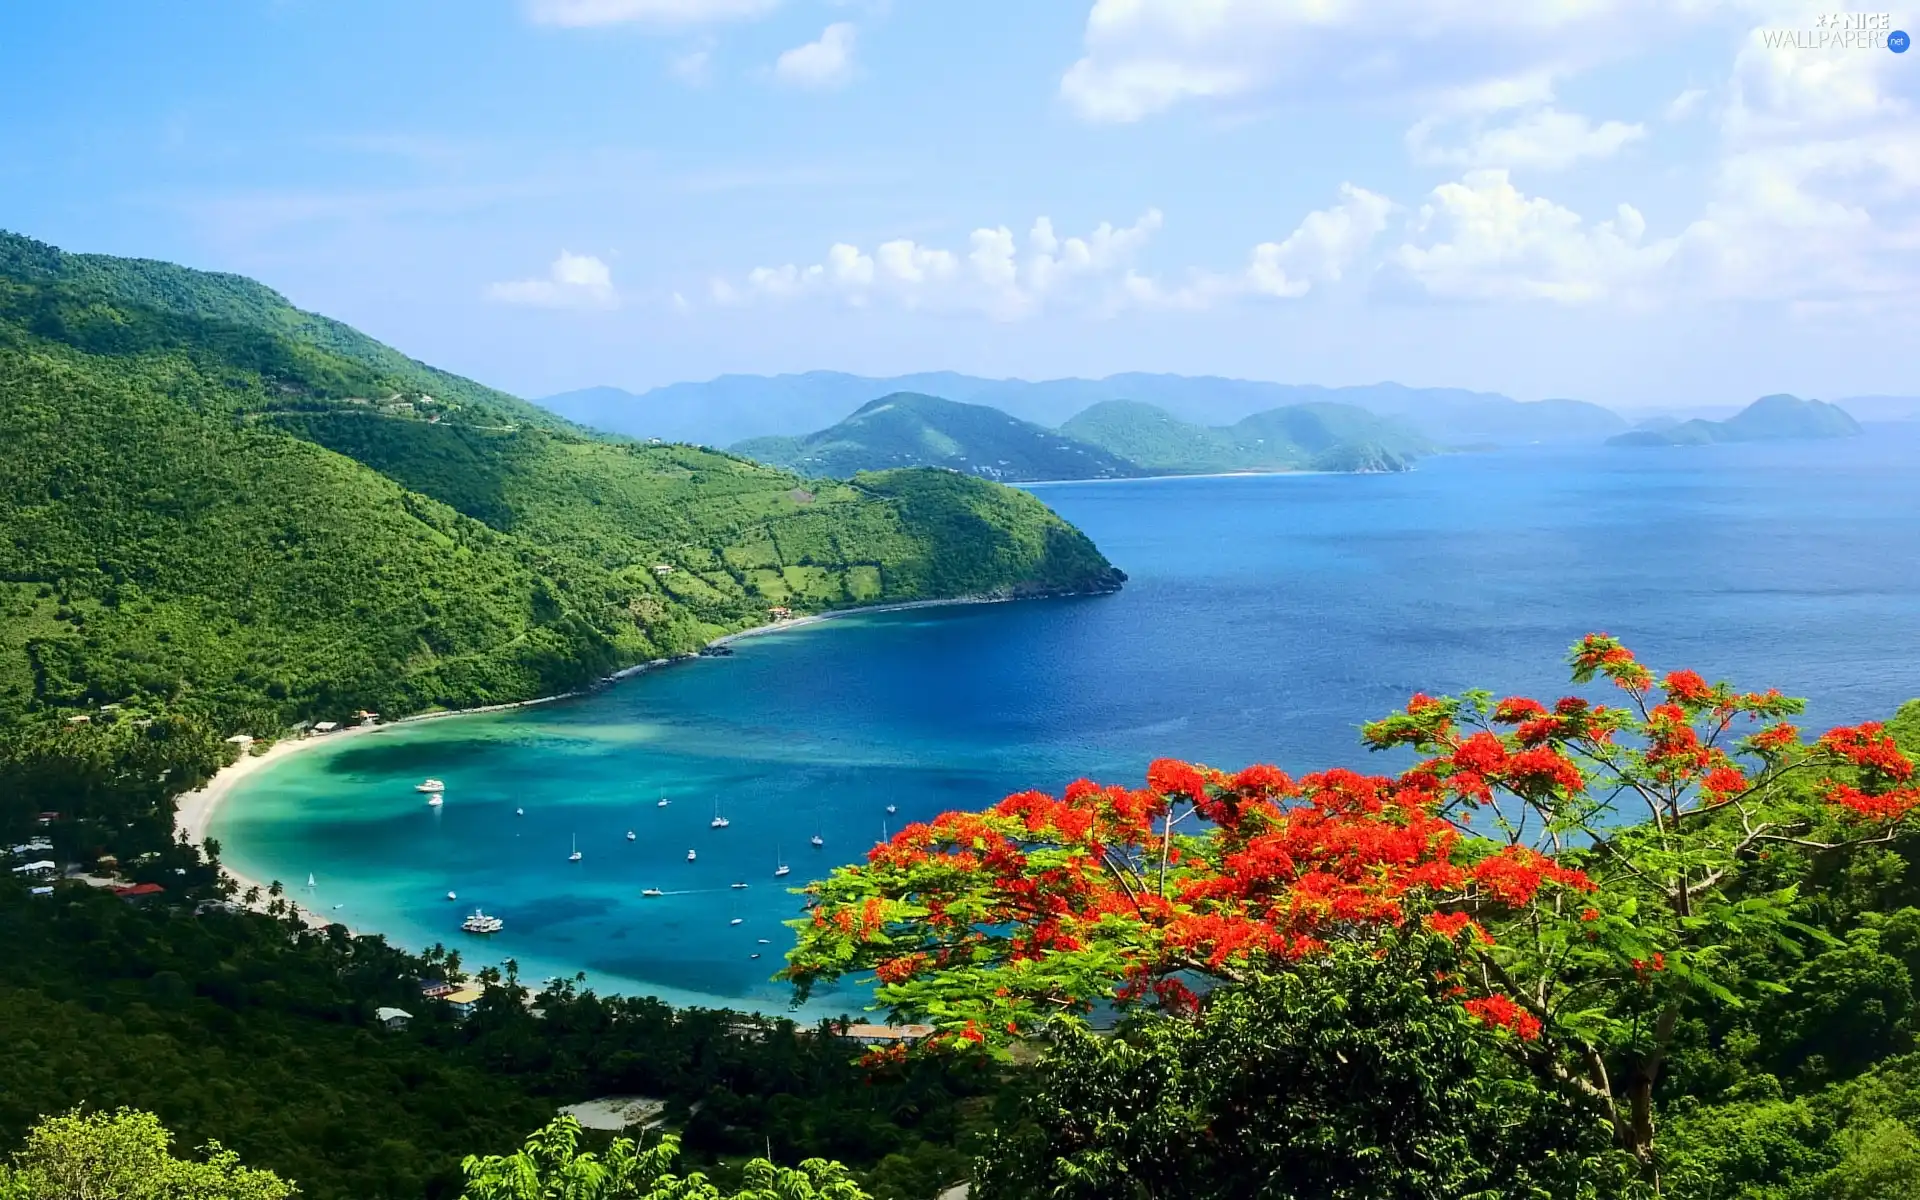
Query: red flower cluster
{"x": 1500, "y": 1012}
{"x": 1870, "y": 747}
{"x": 1516, "y": 873}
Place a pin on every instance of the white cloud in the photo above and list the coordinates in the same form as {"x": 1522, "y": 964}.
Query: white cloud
{"x": 995, "y": 275}
{"x": 1481, "y": 238}
{"x": 1005, "y": 277}
{"x": 573, "y": 281}
{"x": 1546, "y": 138}
{"x": 826, "y": 63}
{"x": 580, "y": 13}
{"x": 1144, "y": 56}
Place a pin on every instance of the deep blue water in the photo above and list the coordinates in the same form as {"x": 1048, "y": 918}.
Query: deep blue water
{"x": 1265, "y": 618}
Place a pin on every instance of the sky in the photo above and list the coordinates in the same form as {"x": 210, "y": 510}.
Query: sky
{"x": 1643, "y": 203}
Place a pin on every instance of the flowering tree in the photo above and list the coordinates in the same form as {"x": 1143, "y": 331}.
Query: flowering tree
{"x": 1596, "y": 867}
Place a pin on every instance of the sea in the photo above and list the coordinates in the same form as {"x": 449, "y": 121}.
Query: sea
{"x": 1264, "y": 619}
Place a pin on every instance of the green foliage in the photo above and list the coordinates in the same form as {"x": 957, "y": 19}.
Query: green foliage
{"x": 124, "y": 1155}
{"x": 910, "y": 430}
{"x": 1354, "y": 1080}
{"x": 1317, "y": 436}
{"x": 552, "y": 1166}
{"x": 216, "y": 504}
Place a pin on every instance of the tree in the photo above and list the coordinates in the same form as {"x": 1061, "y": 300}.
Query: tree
{"x": 553, "y": 1167}
{"x": 1598, "y": 868}
{"x": 123, "y": 1155}
{"x": 1359, "y": 1078}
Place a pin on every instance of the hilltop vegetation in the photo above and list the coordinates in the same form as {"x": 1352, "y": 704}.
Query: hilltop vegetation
{"x": 1114, "y": 439}
{"x": 217, "y": 503}
{"x": 1323, "y": 437}
{"x": 1778, "y": 417}
{"x": 908, "y": 430}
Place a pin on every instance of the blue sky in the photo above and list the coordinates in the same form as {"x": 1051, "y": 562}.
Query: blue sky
{"x": 1638, "y": 202}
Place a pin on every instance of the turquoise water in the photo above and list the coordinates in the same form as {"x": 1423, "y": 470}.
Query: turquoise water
{"x": 1265, "y": 618}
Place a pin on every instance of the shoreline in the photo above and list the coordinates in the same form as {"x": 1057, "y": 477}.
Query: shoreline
{"x": 194, "y": 810}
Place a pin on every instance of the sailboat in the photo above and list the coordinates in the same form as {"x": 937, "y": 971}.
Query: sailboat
{"x": 892, "y": 808}
{"x": 780, "y": 868}
{"x": 575, "y": 856}
{"x": 817, "y": 841}
{"x": 691, "y": 856}
{"x": 629, "y": 835}
{"x": 519, "y": 812}
{"x": 436, "y": 800}
{"x": 719, "y": 822}
{"x": 452, "y": 896}
{"x": 663, "y": 801}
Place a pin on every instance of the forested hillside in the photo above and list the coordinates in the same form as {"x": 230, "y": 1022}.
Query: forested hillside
{"x": 215, "y": 502}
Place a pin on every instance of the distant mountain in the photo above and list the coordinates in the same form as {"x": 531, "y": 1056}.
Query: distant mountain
{"x": 736, "y": 407}
{"x": 1770, "y": 418}
{"x": 1337, "y": 437}
{"x": 912, "y": 430}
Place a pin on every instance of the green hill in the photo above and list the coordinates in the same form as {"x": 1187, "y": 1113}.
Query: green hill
{"x": 213, "y": 502}
{"x": 910, "y": 430}
{"x": 1770, "y": 418}
{"x": 1330, "y": 437}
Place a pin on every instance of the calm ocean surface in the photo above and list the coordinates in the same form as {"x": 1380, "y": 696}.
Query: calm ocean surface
{"x": 1266, "y": 617}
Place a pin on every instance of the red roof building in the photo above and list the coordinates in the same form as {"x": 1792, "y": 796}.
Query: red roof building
{"x": 139, "y": 892}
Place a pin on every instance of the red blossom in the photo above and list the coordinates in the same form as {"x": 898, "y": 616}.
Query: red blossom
{"x": 1171, "y": 777}
{"x": 1870, "y": 747}
{"x": 1500, "y": 1012}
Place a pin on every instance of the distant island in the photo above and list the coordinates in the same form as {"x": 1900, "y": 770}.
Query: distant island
{"x": 1779, "y": 417}
{"x": 736, "y": 408}
{"x": 1114, "y": 439}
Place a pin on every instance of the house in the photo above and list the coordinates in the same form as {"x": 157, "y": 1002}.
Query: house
{"x": 325, "y": 726}
{"x": 106, "y": 864}
{"x": 436, "y": 989}
{"x": 43, "y": 890}
{"x": 366, "y": 718}
{"x": 82, "y": 719}
{"x": 36, "y": 846}
{"x": 42, "y": 868}
{"x": 462, "y": 1001}
{"x": 392, "y": 1018}
{"x": 663, "y": 568}
{"x": 780, "y": 612}
{"x": 139, "y": 893}
{"x": 242, "y": 740}
{"x": 47, "y": 818}
{"x": 885, "y": 1035}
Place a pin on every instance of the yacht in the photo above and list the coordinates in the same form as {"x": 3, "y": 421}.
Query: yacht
{"x": 436, "y": 800}
{"x": 519, "y": 812}
{"x": 755, "y": 954}
{"x": 480, "y": 922}
{"x": 719, "y": 822}
{"x": 430, "y": 785}
{"x": 653, "y": 892}
{"x": 691, "y": 856}
{"x": 764, "y": 941}
{"x": 663, "y": 802}
{"x": 736, "y": 920}
{"x": 629, "y": 835}
{"x": 451, "y": 896}
{"x": 817, "y": 841}
{"x": 740, "y": 886}
{"x": 575, "y": 856}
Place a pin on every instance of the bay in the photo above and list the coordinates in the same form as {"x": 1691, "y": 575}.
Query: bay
{"x": 1265, "y": 618}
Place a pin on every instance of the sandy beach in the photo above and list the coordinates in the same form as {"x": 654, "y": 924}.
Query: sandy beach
{"x": 194, "y": 810}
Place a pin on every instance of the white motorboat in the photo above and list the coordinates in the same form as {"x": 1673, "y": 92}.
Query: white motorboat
{"x": 691, "y": 856}
{"x": 663, "y": 802}
{"x": 653, "y": 892}
{"x": 430, "y": 785}
{"x": 739, "y": 886}
{"x": 736, "y": 920}
{"x": 892, "y": 808}
{"x": 629, "y": 835}
{"x": 480, "y": 922}
{"x": 452, "y": 896}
